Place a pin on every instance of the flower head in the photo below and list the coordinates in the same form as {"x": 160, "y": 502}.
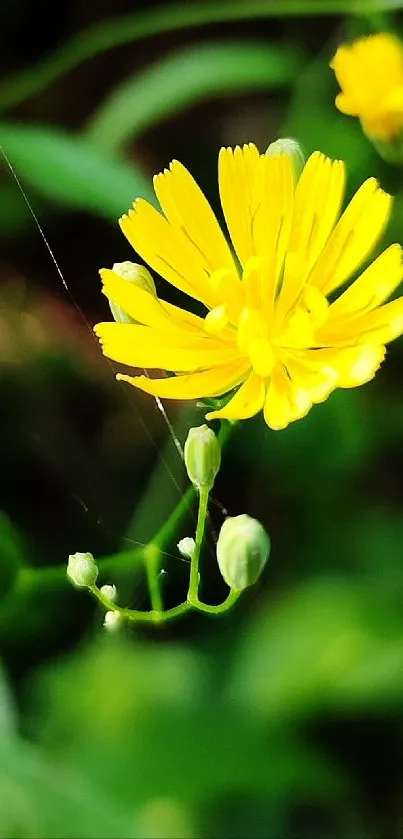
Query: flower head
{"x": 370, "y": 74}
{"x": 270, "y": 329}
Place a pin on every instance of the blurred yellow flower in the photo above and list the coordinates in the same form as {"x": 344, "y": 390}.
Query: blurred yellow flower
{"x": 269, "y": 330}
{"x": 370, "y": 74}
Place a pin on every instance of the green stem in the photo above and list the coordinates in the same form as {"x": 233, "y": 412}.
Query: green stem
{"x": 194, "y": 565}
{"x": 158, "y": 616}
{"x": 169, "y": 529}
{"x": 32, "y": 579}
{"x": 152, "y": 558}
{"x": 154, "y": 616}
{"x": 227, "y": 604}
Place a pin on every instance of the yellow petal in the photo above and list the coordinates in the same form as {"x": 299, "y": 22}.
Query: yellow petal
{"x": 346, "y": 105}
{"x": 140, "y": 346}
{"x": 189, "y": 212}
{"x": 285, "y": 401}
{"x": 318, "y": 200}
{"x": 378, "y": 327}
{"x": 367, "y": 69}
{"x": 315, "y": 375}
{"x": 227, "y": 286}
{"x": 144, "y": 307}
{"x": 274, "y": 202}
{"x": 192, "y": 385}
{"x": 393, "y": 101}
{"x": 236, "y": 175}
{"x": 355, "y": 365}
{"x": 358, "y": 365}
{"x": 247, "y": 401}
{"x": 353, "y": 238}
{"x": 374, "y": 286}
{"x": 167, "y": 251}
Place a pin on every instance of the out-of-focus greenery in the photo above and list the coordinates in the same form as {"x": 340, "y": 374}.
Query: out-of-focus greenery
{"x": 284, "y": 719}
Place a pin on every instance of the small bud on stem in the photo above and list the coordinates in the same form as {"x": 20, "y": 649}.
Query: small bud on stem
{"x": 243, "y": 548}
{"x": 112, "y": 621}
{"x": 292, "y": 149}
{"x": 82, "y": 570}
{"x": 202, "y": 456}
{"x": 133, "y": 273}
{"x": 109, "y": 592}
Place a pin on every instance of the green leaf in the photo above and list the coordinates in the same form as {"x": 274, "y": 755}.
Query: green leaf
{"x": 68, "y": 169}
{"x": 139, "y": 706}
{"x": 7, "y": 713}
{"x": 314, "y": 119}
{"x": 14, "y": 213}
{"x": 12, "y": 555}
{"x": 39, "y": 799}
{"x": 321, "y": 648}
{"x": 187, "y": 77}
{"x": 168, "y": 18}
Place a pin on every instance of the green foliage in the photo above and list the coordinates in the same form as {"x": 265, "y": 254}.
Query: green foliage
{"x": 12, "y": 555}
{"x": 105, "y": 36}
{"x": 184, "y": 78}
{"x": 69, "y": 170}
{"x": 39, "y": 799}
{"x": 283, "y": 718}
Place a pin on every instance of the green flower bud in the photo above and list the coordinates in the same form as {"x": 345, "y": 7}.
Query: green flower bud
{"x": 186, "y": 546}
{"x": 290, "y": 147}
{"x": 243, "y": 548}
{"x": 112, "y": 621}
{"x": 202, "y": 456}
{"x": 137, "y": 274}
{"x": 391, "y": 151}
{"x": 82, "y": 570}
{"x": 109, "y": 592}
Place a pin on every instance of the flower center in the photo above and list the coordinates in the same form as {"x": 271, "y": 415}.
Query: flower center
{"x": 252, "y": 339}
{"x": 261, "y": 323}
{"x": 304, "y": 318}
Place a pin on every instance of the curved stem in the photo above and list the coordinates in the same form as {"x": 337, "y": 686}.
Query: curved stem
{"x": 154, "y": 616}
{"x": 227, "y": 604}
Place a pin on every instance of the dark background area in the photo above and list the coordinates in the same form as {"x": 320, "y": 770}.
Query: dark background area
{"x": 284, "y": 718}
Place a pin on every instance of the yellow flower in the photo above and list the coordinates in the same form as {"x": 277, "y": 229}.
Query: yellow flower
{"x": 370, "y": 74}
{"x": 270, "y": 329}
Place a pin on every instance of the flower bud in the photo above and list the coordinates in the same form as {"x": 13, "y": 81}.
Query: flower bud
{"x": 137, "y": 274}
{"x": 186, "y": 546}
{"x": 82, "y": 570}
{"x": 202, "y": 456}
{"x": 391, "y": 151}
{"x": 109, "y": 592}
{"x": 243, "y": 548}
{"x": 291, "y": 148}
{"x": 112, "y": 621}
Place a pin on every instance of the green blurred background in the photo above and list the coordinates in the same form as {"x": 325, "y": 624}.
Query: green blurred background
{"x": 283, "y": 719}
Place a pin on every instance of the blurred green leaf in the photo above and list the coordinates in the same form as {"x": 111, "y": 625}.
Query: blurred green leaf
{"x": 187, "y": 77}
{"x": 40, "y": 798}
{"x": 156, "y": 710}
{"x": 12, "y": 555}
{"x": 7, "y": 713}
{"x": 167, "y": 18}
{"x": 14, "y": 213}
{"x": 68, "y": 169}
{"x": 321, "y": 648}
{"x": 313, "y": 118}
{"x": 119, "y": 684}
